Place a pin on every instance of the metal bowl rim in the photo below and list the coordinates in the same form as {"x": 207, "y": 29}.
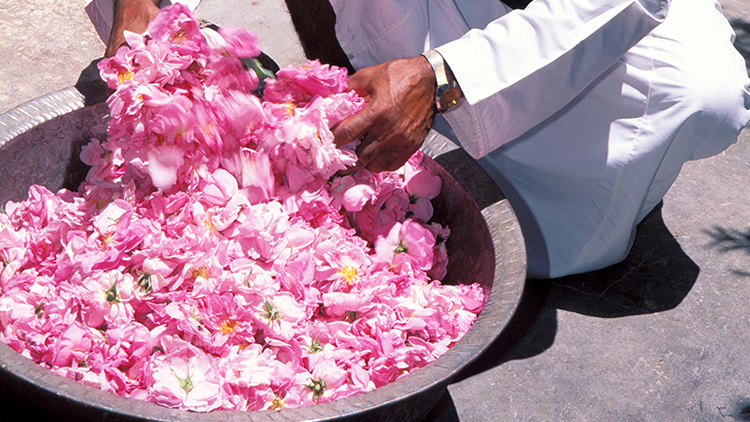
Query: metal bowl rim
{"x": 17, "y": 121}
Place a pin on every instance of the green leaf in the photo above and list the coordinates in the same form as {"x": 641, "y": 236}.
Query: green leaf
{"x": 317, "y": 387}
{"x": 111, "y": 294}
{"x": 270, "y": 312}
{"x": 254, "y": 65}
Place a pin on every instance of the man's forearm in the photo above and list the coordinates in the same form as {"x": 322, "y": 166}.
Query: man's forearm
{"x": 130, "y": 15}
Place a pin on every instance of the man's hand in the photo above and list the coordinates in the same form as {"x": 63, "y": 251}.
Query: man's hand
{"x": 398, "y": 113}
{"x": 131, "y": 15}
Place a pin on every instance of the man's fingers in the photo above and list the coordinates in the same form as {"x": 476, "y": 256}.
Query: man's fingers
{"x": 131, "y": 15}
{"x": 358, "y": 125}
{"x": 350, "y": 169}
{"x": 352, "y": 128}
{"x": 366, "y": 152}
{"x": 397, "y": 114}
{"x": 382, "y": 163}
{"x": 112, "y": 49}
{"x": 379, "y": 155}
{"x": 388, "y": 160}
{"x": 359, "y": 82}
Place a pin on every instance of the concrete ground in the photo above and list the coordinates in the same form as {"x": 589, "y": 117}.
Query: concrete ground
{"x": 664, "y": 336}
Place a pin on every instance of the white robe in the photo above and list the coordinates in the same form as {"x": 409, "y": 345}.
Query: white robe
{"x": 583, "y": 111}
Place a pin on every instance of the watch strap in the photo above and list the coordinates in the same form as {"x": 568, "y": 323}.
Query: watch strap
{"x": 447, "y": 92}
{"x": 438, "y": 66}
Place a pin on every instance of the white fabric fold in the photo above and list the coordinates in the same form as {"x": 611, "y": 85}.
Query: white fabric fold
{"x": 573, "y": 42}
{"x": 583, "y": 111}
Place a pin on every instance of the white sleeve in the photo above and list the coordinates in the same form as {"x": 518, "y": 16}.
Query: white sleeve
{"x": 528, "y": 64}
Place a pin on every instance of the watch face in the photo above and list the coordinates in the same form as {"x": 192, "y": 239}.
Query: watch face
{"x": 449, "y": 98}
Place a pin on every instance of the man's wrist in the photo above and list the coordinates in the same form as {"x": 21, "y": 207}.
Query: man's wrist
{"x": 447, "y": 91}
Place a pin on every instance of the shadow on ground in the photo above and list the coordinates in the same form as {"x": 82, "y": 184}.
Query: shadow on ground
{"x": 728, "y": 240}
{"x": 90, "y": 85}
{"x": 656, "y": 276}
{"x": 742, "y": 41}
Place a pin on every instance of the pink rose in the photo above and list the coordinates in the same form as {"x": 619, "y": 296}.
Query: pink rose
{"x": 407, "y": 242}
{"x": 299, "y": 85}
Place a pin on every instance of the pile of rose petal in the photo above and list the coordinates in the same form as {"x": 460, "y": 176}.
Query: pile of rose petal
{"x": 213, "y": 259}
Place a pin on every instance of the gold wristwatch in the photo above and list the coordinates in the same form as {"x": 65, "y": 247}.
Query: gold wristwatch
{"x": 447, "y": 93}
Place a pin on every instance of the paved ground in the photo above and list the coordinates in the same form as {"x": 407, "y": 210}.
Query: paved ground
{"x": 664, "y": 336}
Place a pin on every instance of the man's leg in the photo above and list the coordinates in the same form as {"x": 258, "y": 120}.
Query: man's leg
{"x": 591, "y": 172}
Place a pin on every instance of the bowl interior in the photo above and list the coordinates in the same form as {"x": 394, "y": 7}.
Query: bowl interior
{"x": 485, "y": 246}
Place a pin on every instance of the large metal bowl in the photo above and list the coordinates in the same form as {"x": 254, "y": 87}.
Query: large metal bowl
{"x": 39, "y": 144}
